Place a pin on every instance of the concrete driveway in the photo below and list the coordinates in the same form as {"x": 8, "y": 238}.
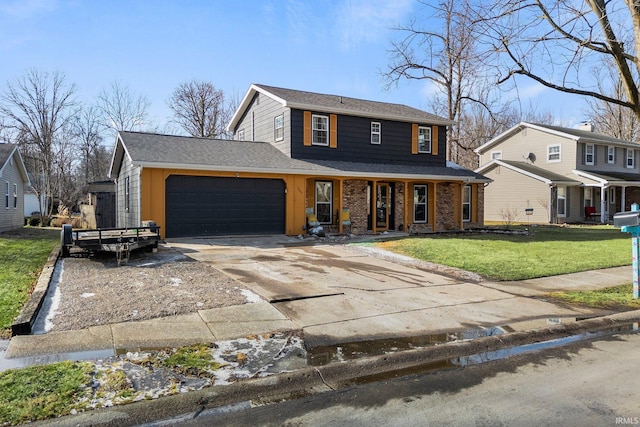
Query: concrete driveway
{"x": 337, "y": 293}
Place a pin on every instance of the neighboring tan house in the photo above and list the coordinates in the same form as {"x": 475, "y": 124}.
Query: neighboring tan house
{"x": 297, "y": 153}
{"x": 552, "y": 174}
{"x": 13, "y": 180}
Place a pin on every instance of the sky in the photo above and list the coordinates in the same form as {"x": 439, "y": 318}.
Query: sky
{"x": 328, "y": 46}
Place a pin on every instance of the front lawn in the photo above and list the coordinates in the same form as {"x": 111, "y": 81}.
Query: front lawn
{"x": 613, "y": 298}
{"x": 23, "y": 253}
{"x": 546, "y": 251}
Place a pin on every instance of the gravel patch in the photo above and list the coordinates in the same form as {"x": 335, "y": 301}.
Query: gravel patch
{"x": 93, "y": 290}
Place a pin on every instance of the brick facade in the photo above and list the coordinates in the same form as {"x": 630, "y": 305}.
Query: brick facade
{"x": 354, "y": 197}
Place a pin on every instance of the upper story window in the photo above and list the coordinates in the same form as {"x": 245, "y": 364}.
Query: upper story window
{"x": 553, "y": 153}
{"x": 375, "y": 133}
{"x": 320, "y": 130}
{"x": 631, "y": 158}
{"x": 278, "y": 127}
{"x": 496, "y": 155}
{"x": 611, "y": 154}
{"x": 589, "y": 155}
{"x": 424, "y": 139}
{"x": 240, "y": 135}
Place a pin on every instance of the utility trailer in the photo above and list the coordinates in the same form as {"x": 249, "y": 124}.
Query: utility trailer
{"x": 119, "y": 240}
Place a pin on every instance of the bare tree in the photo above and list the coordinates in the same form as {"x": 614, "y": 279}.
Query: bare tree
{"x": 556, "y": 43}
{"x": 200, "y": 109}
{"x": 447, "y": 56}
{"x": 37, "y": 107}
{"x": 121, "y": 109}
{"x": 87, "y": 130}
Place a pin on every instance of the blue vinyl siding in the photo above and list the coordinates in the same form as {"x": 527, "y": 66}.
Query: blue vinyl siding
{"x": 354, "y": 142}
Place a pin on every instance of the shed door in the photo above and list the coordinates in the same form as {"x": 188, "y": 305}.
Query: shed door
{"x": 212, "y": 206}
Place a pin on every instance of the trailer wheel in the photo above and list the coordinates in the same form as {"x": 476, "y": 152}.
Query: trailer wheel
{"x": 66, "y": 239}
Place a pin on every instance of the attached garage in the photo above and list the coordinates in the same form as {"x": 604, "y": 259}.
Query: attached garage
{"x": 217, "y": 206}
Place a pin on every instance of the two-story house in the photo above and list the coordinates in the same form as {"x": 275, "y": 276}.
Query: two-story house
{"x": 543, "y": 174}
{"x": 296, "y": 153}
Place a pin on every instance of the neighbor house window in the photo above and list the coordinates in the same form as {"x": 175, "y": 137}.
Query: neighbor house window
{"x": 419, "y": 203}
{"x": 588, "y": 154}
{"x": 241, "y": 135}
{"x": 553, "y": 153}
{"x": 320, "y": 130}
{"x": 15, "y": 196}
{"x": 631, "y": 158}
{"x": 278, "y": 127}
{"x": 324, "y": 201}
{"x": 612, "y": 195}
{"x": 562, "y": 201}
{"x": 611, "y": 154}
{"x": 424, "y": 139}
{"x": 6, "y": 194}
{"x": 496, "y": 155}
{"x": 375, "y": 132}
{"x": 127, "y": 204}
{"x": 466, "y": 203}
{"x": 588, "y": 196}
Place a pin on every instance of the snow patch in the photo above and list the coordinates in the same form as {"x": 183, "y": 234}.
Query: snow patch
{"x": 250, "y": 296}
{"x": 87, "y": 295}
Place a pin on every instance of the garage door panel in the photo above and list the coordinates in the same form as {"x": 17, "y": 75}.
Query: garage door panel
{"x": 198, "y": 206}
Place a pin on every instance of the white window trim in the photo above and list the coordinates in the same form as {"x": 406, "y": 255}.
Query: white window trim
{"x": 426, "y": 204}
{"x": 240, "y": 135}
{"x": 563, "y": 214}
{"x": 427, "y": 150}
{"x": 15, "y": 196}
{"x": 378, "y": 133}
{"x": 6, "y": 195}
{"x": 324, "y": 203}
{"x": 313, "y": 130}
{"x": 280, "y": 128}
{"x": 465, "y": 189}
{"x": 496, "y": 155}
{"x": 587, "y": 154}
{"x": 611, "y": 155}
{"x": 559, "y": 153}
{"x": 632, "y": 158}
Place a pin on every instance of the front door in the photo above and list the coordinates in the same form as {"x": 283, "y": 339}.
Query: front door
{"x": 382, "y": 207}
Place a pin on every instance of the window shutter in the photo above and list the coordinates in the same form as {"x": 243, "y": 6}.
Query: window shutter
{"x": 307, "y": 128}
{"x": 333, "y": 131}
{"x": 414, "y": 138}
{"x": 434, "y": 140}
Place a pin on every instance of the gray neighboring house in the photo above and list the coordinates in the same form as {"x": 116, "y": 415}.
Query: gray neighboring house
{"x": 13, "y": 179}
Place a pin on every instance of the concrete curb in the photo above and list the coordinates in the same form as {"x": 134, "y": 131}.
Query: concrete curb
{"x": 24, "y": 322}
{"x": 313, "y": 380}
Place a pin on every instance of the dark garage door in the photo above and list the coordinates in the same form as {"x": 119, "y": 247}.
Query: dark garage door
{"x": 211, "y": 206}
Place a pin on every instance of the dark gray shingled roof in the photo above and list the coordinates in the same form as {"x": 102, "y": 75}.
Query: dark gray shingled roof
{"x": 5, "y": 151}
{"x": 155, "y": 150}
{"x": 543, "y": 173}
{"x": 585, "y": 134}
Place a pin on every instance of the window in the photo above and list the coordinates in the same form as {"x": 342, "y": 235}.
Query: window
{"x": 496, "y": 155}
{"x": 127, "y": 204}
{"x": 241, "y": 135}
{"x": 611, "y": 154}
{"x": 466, "y": 203}
{"x": 6, "y": 194}
{"x": 324, "y": 201}
{"x": 278, "y": 127}
{"x": 419, "y": 203}
{"x": 588, "y": 154}
{"x": 375, "y": 132}
{"x": 424, "y": 139}
{"x": 553, "y": 153}
{"x": 588, "y": 196}
{"x": 320, "y": 130}
{"x": 15, "y": 196}
{"x": 631, "y": 158}
{"x": 562, "y": 201}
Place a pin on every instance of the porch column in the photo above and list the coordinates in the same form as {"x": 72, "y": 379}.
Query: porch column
{"x": 603, "y": 204}
{"x": 407, "y": 206}
{"x": 374, "y": 206}
{"x": 459, "y": 210}
{"x": 623, "y": 196}
{"x": 340, "y": 196}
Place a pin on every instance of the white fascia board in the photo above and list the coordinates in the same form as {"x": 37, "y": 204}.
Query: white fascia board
{"x": 582, "y": 174}
{"x": 22, "y": 167}
{"x": 125, "y": 152}
{"x": 310, "y": 172}
{"x": 245, "y": 103}
{"x": 497, "y": 162}
{"x": 346, "y": 112}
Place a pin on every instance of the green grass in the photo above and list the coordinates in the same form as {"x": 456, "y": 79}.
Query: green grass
{"x": 615, "y": 297}
{"x": 196, "y": 356}
{"x": 23, "y": 253}
{"x": 547, "y": 251}
{"x": 42, "y": 392}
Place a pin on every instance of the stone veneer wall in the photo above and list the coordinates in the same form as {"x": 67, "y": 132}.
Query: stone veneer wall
{"x": 354, "y": 197}
{"x": 398, "y": 212}
{"x": 445, "y": 198}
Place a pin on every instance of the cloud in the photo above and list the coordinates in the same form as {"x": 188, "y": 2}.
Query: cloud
{"x": 368, "y": 21}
